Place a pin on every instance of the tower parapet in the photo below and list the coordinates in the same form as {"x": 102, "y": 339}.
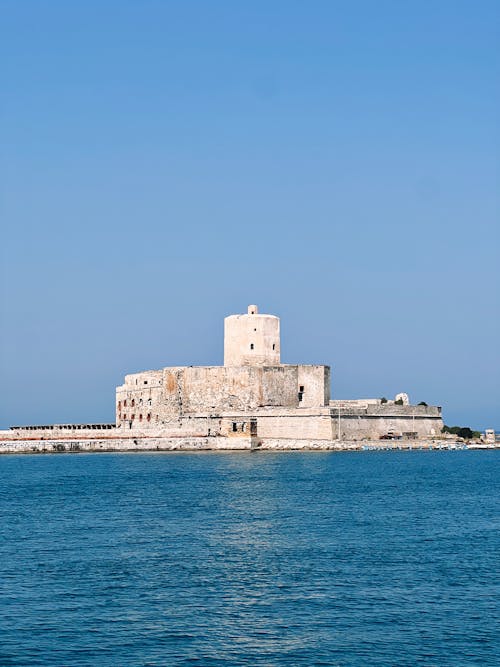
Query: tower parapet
{"x": 252, "y": 339}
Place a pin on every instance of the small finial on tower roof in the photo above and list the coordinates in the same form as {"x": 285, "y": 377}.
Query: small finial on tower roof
{"x": 253, "y": 310}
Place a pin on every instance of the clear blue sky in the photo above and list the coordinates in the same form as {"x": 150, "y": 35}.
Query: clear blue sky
{"x": 166, "y": 163}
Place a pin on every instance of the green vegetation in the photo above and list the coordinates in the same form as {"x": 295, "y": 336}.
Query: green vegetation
{"x": 398, "y": 402}
{"x": 383, "y": 399}
{"x": 461, "y": 431}
{"x": 423, "y": 403}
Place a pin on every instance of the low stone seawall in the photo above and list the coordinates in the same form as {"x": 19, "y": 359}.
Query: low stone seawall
{"x": 55, "y": 446}
{"x": 123, "y": 445}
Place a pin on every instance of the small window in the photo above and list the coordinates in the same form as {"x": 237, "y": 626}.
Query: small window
{"x": 301, "y": 388}
{"x": 145, "y": 381}
{"x": 140, "y": 418}
{"x": 125, "y": 404}
{"x": 235, "y": 427}
{"x": 133, "y": 402}
{"x": 149, "y": 417}
{"x": 274, "y": 346}
{"x": 251, "y": 346}
{"x": 124, "y": 416}
{"x": 132, "y": 416}
{"x": 255, "y": 329}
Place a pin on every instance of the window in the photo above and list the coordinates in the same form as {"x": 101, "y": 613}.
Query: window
{"x": 140, "y": 418}
{"x": 149, "y": 417}
{"x": 132, "y": 416}
{"x": 124, "y": 416}
{"x": 145, "y": 381}
{"x": 274, "y": 346}
{"x": 133, "y": 402}
{"x": 251, "y": 346}
{"x": 301, "y": 388}
{"x": 235, "y": 427}
{"x": 119, "y": 405}
{"x": 124, "y": 403}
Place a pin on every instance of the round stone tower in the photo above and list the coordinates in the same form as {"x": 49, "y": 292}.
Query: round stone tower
{"x": 252, "y": 339}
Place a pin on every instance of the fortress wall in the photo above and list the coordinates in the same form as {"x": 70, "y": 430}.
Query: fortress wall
{"x": 221, "y": 388}
{"x": 148, "y": 400}
{"x": 279, "y": 386}
{"x": 316, "y": 383}
{"x": 299, "y": 426}
{"x": 139, "y": 396}
{"x": 211, "y": 389}
{"x": 154, "y": 444}
{"x": 385, "y": 409}
{"x": 127, "y": 445}
{"x": 356, "y": 427}
{"x": 59, "y": 431}
{"x": 272, "y": 423}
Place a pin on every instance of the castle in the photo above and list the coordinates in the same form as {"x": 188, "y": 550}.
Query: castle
{"x": 254, "y": 395}
{"x": 252, "y": 401}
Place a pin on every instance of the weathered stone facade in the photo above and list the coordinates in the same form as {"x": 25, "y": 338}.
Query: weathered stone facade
{"x": 283, "y": 400}
{"x": 253, "y": 401}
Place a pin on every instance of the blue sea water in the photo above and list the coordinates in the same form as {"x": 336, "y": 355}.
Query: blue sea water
{"x": 117, "y": 560}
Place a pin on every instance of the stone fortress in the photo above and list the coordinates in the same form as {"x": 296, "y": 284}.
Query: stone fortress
{"x": 254, "y": 395}
{"x": 253, "y": 401}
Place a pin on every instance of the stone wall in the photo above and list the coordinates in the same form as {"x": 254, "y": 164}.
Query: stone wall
{"x": 248, "y": 444}
{"x": 155, "y": 398}
{"x": 298, "y": 426}
{"x": 126, "y": 445}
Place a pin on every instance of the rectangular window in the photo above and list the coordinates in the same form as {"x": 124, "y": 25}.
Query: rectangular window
{"x": 251, "y": 346}
{"x": 235, "y": 427}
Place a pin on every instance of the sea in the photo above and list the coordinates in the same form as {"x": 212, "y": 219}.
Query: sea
{"x": 226, "y": 559}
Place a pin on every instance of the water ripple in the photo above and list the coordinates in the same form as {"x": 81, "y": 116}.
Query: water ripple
{"x": 294, "y": 559}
